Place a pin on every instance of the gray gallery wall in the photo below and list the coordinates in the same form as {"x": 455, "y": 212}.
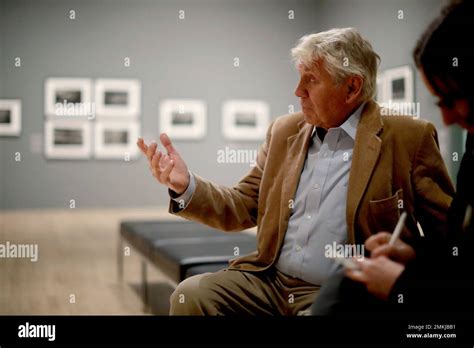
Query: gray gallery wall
{"x": 191, "y": 58}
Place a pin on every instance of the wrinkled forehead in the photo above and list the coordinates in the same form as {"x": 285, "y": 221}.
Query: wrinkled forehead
{"x": 314, "y": 67}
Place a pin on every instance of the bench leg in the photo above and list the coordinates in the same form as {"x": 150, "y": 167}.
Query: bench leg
{"x": 145, "y": 287}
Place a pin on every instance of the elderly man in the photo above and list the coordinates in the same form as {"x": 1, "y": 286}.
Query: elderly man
{"x": 335, "y": 173}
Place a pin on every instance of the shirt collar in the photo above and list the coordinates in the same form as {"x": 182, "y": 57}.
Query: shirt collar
{"x": 350, "y": 125}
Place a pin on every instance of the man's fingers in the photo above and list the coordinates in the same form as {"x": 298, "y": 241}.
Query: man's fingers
{"x": 143, "y": 147}
{"x": 166, "y": 141}
{"x": 164, "y": 177}
{"x": 154, "y": 172}
{"x": 151, "y": 150}
{"x": 156, "y": 160}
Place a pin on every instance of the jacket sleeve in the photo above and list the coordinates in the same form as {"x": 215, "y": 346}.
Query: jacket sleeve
{"x": 433, "y": 188}
{"x": 227, "y": 208}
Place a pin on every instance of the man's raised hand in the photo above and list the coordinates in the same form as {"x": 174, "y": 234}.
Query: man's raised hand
{"x": 169, "y": 169}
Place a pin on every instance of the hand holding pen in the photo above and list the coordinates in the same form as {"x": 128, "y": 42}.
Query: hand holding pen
{"x": 378, "y": 273}
{"x": 390, "y": 245}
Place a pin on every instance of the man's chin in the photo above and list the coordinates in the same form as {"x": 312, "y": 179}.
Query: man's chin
{"x": 311, "y": 120}
{"x": 308, "y": 118}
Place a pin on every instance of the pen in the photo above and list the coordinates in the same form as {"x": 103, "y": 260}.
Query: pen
{"x": 398, "y": 228}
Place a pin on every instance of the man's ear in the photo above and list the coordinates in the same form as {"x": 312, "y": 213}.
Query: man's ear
{"x": 354, "y": 88}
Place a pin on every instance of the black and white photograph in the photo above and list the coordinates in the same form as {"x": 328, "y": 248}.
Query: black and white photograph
{"x": 245, "y": 120}
{"x": 10, "y": 117}
{"x": 183, "y": 119}
{"x": 67, "y": 139}
{"x": 118, "y": 98}
{"x": 73, "y": 96}
{"x": 5, "y": 116}
{"x": 68, "y": 97}
{"x": 398, "y": 85}
{"x": 116, "y": 140}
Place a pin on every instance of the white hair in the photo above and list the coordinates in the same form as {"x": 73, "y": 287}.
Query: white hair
{"x": 345, "y": 52}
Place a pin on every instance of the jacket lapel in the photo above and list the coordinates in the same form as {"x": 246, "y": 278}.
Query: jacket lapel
{"x": 364, "y": 158}
{"x": 297, "y": 148}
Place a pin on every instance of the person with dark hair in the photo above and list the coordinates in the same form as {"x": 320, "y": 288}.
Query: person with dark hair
{"x": 434, "y": 275}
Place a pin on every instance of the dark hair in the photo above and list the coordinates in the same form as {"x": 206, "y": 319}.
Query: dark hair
{"x": 445, "y": 43}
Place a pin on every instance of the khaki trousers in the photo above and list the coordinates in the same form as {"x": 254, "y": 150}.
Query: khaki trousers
{"x": 231, "y": 292}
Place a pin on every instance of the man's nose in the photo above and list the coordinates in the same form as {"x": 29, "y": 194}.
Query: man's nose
{"x": 300, "y": 92}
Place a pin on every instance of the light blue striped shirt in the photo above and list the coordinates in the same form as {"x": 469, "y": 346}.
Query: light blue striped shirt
{"x": 319, "y": 211}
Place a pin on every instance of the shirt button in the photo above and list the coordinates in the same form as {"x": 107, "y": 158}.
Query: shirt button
{"x": 308, "y": 217}
{"x": 298, "y": 248}
{"x": 316, "y": 186}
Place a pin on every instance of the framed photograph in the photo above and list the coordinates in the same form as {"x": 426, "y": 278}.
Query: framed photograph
{"x": 183, "y": 119}
{"x": 69, "y": 139}
{"x": 245, "y": 119}
{"x": 117, "y": 97}
{"x": 68, "y": 97}
{"x": 398, "y": 85}
{"x": 10, "y": 117}
{"x": 116, "y": 139}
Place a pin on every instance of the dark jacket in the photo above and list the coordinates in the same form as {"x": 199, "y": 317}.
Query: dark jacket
{"x": 442, "y": 276}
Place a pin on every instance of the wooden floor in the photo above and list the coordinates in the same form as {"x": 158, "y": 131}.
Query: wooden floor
{"x": 77, "y": 256}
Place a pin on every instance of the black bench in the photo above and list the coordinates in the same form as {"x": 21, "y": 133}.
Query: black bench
{"x": 180, "y": 248}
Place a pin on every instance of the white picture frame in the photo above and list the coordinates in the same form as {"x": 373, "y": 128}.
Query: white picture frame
{"x": 245, "y": 120}
{"x": 118, "y": 97}
{"x": 10, "y": 117}
{"x": 183, "y": 119}
{"x": 398, "y": 86}
{"x": 68, "y": 139}
{"x": 380, "y": 92}
{"x": 68, "y": 97}
{"x": 116, "y": 139}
